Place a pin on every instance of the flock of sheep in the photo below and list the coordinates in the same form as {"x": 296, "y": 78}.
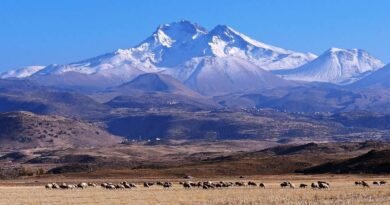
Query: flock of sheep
{"x": 365, "y": 184}
{"x": 203, "y": 185}
{"x": 314, "y": 185}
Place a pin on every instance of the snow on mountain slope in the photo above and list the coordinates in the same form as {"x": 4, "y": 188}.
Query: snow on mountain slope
{"x": 225, "y": 41}
{"x": 174, "y": 44}
{"x": 221, "y": 75}
{"x": 340, "y": 66}
{"x": 21, "y": 72}
{"x": 379, "y": 78}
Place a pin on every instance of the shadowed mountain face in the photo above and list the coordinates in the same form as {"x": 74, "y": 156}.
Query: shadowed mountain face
{"x": 375, "y": 162}
{"x": 27, "y": 130}
{"x": 153, "y": 83}
{"x": 379, "y": 79}
{"x": 20, "y": 95}
{"x": 156, "y": 91}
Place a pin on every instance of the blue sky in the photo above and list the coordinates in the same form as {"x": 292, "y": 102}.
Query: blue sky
{"x": 42, "y": 32}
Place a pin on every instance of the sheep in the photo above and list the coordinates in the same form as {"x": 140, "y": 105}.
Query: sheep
{"x": 82, "y": 185}
{"x": 187, "y": 185}
{"x": 292, "y": 186}
{"x": 303, "y": 186}
{"x": 71, "y": 186}
{"x": 358, "y": 183}
{"x": 167, "y": 185}
{"x": 55, "y": 186}
{"x": 110, "y": 186}
{"x": 92, "y": 184}
{"x": 314, "y": 185}
{"x": 284, "y": 184}
{"x": 146, "y": 185}
{"x": 251, "y": 183}
{"x": 126, "y": 185}
{"x": 119, "y": 186}
{"x": 132, "y": 185}
{"x": 365, "y": 184}
{"x": 150, "y": 183}
{"x": 375, "y": 183}
{"x": 63, "y": 186}
{"x": 240, "y": 184}
{"x": 49, "y": 186}
{"x": 323, "y": 185}
{"x": 382, "y": 182}
{"x": 261, "y": 185}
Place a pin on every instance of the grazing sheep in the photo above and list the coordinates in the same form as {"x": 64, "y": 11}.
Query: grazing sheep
{"x": 132, "y": 185}
{"x": 284, "y": 184}
{"x": 251, "y": 183}
{"x": 382, "y": 182}
{"x": 146, "y": 185}
{"x": 49, "y": 186}
{"x": 56, "y": 186}
{"x": 365, "y": 184}
{"x": 126, "y": 185}
{"x": 292, "y": 186}
{"x": 71, "y": 186}
{"x": 92, "y": 184}
{"x": 240, "y": 184}
{"x": 358, "y": 183}
{"x": 261, "y": 185}
{"x": 323, "y": 185}
{"x": 303, "y": 186}
{"x": 187, "y": 185}
{"x": 110, "y": 186}
{"x": 150, "y": 183}
{"x": 119, "y": 186}
{"x": 63, "y": 186}
{"x": 314, "y": 185}
{"x": 167, "y": 185}
{"x": 82, "y": 185}
{"x": 375, "y": 183}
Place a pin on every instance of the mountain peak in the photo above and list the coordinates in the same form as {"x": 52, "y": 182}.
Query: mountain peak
{"x": 178, "y": 32}
{"x": 336, "y": 65}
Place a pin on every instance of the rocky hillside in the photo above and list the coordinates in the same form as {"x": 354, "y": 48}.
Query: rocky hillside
{"x": 27, "y": 130}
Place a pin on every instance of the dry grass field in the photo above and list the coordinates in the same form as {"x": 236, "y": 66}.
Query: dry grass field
{"x": 342, "y": 191}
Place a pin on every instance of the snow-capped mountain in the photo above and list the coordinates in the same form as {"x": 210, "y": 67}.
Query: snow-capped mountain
{"x": 219, "y": 75}
{"x": 224, "y": 41}
{"x": 174, "y": 44}
{"x": 340, "y": 66}
{"x": 187, "y": 52}
{"x": 21, "y": 72}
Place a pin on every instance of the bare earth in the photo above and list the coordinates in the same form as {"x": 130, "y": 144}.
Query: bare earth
{"x": 342, "y": 191}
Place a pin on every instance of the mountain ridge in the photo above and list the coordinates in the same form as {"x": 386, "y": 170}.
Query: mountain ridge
{"x": 338, "y": 66}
